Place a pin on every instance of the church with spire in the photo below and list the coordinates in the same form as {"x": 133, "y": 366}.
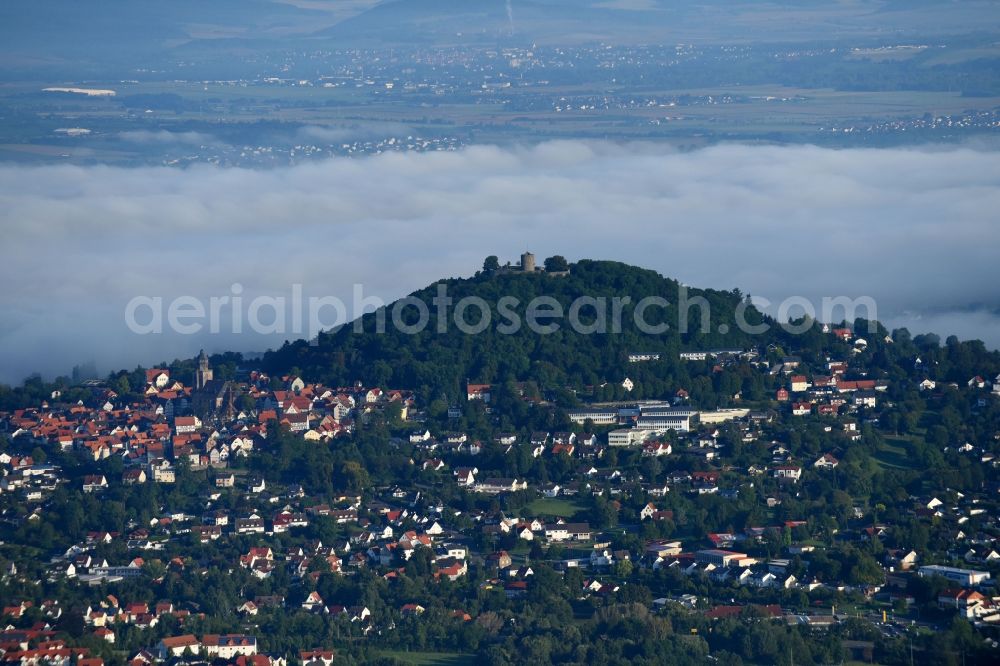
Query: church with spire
{"x": 211, "y": 398}
{"x": 203, "y": 375}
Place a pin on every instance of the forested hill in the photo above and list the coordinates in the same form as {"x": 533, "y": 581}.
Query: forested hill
{"x": 443, "y": 362}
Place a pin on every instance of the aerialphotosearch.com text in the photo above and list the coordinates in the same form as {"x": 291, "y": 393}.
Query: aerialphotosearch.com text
{"x": 301, "y": 315}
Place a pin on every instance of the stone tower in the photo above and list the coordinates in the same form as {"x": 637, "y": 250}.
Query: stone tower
{"x": 528, "y": 262}
{"x": 204, "y": 373}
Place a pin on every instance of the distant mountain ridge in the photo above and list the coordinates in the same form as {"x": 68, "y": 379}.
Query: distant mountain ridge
{"x": 111, "y": 38}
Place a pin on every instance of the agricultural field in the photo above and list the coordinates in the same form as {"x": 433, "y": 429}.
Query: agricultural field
{"x": 288, "y": 107}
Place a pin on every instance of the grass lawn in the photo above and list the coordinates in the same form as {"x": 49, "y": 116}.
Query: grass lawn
{"x": 430, "y": 658}
{"x": 895, "y": 454}
{"x": 553, "y": 506}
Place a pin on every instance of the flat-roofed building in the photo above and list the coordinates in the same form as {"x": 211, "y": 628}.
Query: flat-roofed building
{"x": 722, "y": 415}
{"x": 598, "y": 416}
{"x": 961, "y": 576}
{"x": 661, "y": 419}
{"x": 628, "y": 436}
{"x": 723, "y": 558}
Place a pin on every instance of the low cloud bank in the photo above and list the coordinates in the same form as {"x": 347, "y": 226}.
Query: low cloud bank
{"x": 914, "y": 229}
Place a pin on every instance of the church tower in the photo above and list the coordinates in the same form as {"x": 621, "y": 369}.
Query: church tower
{"x": 204, "y": 373}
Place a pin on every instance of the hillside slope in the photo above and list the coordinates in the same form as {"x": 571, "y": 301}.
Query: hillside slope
{"x": 444, "y": 361}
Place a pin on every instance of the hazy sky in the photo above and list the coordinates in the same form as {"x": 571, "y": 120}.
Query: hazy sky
{"x": 915, "y": 229}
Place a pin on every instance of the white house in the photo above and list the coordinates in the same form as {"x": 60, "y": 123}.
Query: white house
{"x": 790, "y": 472}
{"x": 229, "y": 646}
{"x": 601, "y": 558}
{"x": 176, "y": 646}
{"x": 826, "y": 461}
{"x": 497, "y": 486}
{"x": 466, "y": 476}
{"x": 568, "y": 531}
